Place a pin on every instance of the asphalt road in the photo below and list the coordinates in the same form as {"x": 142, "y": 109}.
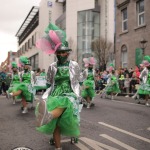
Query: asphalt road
{"x": 111, "y": 124}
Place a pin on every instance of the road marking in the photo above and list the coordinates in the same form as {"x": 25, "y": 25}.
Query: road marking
{"x": 79, "y": 145}
{"x": 148, "y": 128}
{"x": 126, "y": 132}
{"x": 96, "y": 145}
{"x": 118, "y": 142}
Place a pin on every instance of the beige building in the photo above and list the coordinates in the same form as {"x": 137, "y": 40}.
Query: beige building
{"x": 83, "y": 22}
{"x": 132, "y": 32}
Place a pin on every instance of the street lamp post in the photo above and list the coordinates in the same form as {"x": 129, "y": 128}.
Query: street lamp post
{"x": 143, "y": 45}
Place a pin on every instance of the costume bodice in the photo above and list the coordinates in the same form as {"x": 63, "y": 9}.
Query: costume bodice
{"x": 16, "y": 79}
{"x": 62, "y": 81}
{"x": 26, "y": 77}
{"x": 90, "y": 75}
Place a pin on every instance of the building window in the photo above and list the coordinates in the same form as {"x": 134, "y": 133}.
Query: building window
{"x": 124, "y": 57}
{"x": 88, "y": 29}
{"x": 124, "y": 20}
{"x": 140, "y": 13}
{"x": 34, "y": 60}
{"x": 34, "y": 39}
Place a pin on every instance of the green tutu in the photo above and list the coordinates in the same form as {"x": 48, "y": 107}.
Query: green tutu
{"x": 27, "y": 91}
{"x": 145, "y": 88}
{"x": 113, "y": 87}
{"x": 68, "y": 122}
{"x": 13, "y": 88}
{"x": 90, "y": 91}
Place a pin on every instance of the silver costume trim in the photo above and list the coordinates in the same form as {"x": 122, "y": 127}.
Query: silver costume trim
{"x": 144, "y": 75}
{"x": 75, "y": 77}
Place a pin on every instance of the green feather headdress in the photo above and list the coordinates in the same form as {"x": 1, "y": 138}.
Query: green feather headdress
{"x": 24, "y": 60}
{"x": 14, "y": 65}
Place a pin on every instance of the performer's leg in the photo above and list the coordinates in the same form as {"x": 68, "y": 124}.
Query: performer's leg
{"x": 43, "y": 116}
{"x": 16, "y": 93}
{"x": 57, "y": 112}
{"x": 57, "y": 137}
{"x": 146, "y": 98}
{"x": 24, "y": 103}
{"x": 88, "y": 99}
{"x": 14, "y": 101}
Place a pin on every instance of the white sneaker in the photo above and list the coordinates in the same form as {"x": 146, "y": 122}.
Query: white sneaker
{"x": 133, "y": 97}
{"x": 112, "y": 97}
{"x": 9, "y": 95}
{"x": 88, "y": 105}
{"x": 25, "y": 110}
{"x": 43, "y": 116}
{"x": 147, "y": 104}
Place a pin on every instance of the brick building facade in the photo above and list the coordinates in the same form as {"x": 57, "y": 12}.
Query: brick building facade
{"x": 132, "y": 32}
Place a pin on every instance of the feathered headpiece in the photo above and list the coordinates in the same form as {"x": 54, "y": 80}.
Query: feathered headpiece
{"x": 54, "y": 40}
{"x": 24, "y": 60}
{"x": 14, "y": 65}
{"x": 146, "y": 60}
{"x": 89, "y": 61}
{"x": 110, "y": 67}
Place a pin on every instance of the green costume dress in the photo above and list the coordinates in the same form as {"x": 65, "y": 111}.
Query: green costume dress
{"x": 113, "y": 86}
{"x": 89, "y": 82}
{"x": 63, "y": 97}
{"x": 26, "y": 87}
{"x": 145, "y": 87}
{"x": 14, "y": 84}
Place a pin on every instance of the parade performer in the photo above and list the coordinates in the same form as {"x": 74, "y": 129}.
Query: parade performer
{"x": 144, "y": 88}
{"x": 58, "y": 113}
{"x": 88, "y": 92}
{"x": 112, "y": 86}
{"x": 25, "y": 89}
{"x": 14, "y": 82}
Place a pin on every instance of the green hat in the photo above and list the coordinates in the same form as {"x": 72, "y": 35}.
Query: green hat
{"x": 64, "y": 47}
{"x": 24, "y": 60}
{"x": 111, "y": 64}
{"x": 14, "y": 65}
{"x": 147, "y": 57}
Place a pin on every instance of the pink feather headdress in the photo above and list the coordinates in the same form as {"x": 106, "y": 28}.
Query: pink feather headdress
{"x": 89, "y": 61}
{"x": 55, "y": 39}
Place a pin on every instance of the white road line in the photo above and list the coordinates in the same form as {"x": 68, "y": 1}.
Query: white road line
{"x": 79, "y": 145}
{"x": 92, "y": 144}
{"x": 126, "y": 132}
{"x": 96, "y": 145}
{"x": 118, "y": 142}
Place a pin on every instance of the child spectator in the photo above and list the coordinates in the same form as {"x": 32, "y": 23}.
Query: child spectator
{"x": 127, "y": 84}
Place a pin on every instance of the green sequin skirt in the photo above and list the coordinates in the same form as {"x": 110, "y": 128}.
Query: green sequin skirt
{"x": 68, "y": 122}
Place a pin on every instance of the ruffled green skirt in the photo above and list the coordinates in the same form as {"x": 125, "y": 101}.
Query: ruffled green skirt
{"x": 68, "y": 122}
{"x": 112, "y": 89}
{"x": 13, "y": 88}
{"x": 144, "y": 89}
{"x": 27, "y": 91}
{"x": 90, "y": 91}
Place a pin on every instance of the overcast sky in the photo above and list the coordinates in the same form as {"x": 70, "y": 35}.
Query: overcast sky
{"x": 12, "y": 15}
